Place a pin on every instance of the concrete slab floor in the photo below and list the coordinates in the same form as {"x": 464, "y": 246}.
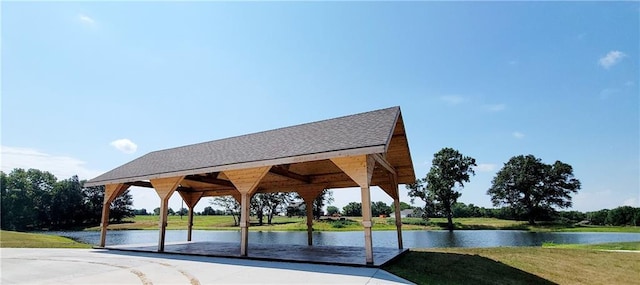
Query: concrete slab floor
{"x": 95, "y": 266}
{"x": 331, "y": 255}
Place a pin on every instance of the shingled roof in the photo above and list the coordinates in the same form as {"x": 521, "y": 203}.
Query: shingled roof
{"x": 365, "y": 133}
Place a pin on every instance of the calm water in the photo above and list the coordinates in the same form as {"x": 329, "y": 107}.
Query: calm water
{"x": 411, "y": 239}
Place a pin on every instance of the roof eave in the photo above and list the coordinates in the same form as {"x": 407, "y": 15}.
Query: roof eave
{"x": 244, "y": 165}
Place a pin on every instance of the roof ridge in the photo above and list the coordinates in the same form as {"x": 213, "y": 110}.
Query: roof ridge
{"x": 271, "y": 130}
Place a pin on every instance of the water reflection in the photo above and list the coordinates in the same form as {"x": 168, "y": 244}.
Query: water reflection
{"x": 411, "y": 239}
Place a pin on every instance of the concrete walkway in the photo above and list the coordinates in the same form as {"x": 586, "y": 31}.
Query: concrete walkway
{"x": 94, "y": 266}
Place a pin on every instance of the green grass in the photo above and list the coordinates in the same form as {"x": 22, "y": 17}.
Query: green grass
{"x": 518, "y": 265}
{"x": 633, "y": 245}
{"x": 17, "y": 239}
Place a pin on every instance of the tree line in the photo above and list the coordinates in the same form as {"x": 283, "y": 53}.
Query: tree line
{"x": 33, "y": 199}
{"x": 525, "y": 185}
{"x": 620, "y": 216}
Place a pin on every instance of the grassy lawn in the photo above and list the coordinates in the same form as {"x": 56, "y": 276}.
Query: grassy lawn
{"x": 17, "y": 239}
{"x": 634, "y": 245}
{"x": 520, "y": 265}
{"x": 498, "y": 224}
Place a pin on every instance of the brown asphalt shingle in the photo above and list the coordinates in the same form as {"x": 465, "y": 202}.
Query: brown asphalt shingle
{"x": 364, "y": 130}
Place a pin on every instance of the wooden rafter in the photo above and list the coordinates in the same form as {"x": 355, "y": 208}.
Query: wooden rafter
{"x": 211, "y": 179}
{"x": 140, "y": 184}
{"x": 283, "y": 171}
{"x": 384, "y": 163}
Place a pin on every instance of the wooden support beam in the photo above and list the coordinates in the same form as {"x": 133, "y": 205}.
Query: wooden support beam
{"x": 360, "y": 169}
{"x": 246, "y": 181}
{"x": 209, "y": 179}
{"x": 309, "y": 195}
{"x": 165, "y": 188}
{"x": 111, "y": 191}
{"x": 384, "y": 163}
{"x": 140, "y": 184}
{"x": 393, "y": 180}
{"x": 283, "y": 171}
{"x": 191, "y": 199}
{"x": 398, "y": 216}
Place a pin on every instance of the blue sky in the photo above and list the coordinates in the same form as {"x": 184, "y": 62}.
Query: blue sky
{"x": 87, "y": 87}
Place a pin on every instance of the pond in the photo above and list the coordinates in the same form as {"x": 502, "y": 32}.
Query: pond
{"x": 411, "y": 239}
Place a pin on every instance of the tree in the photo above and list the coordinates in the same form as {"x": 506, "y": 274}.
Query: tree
{"x": 448, "y": 173}
{"x": 66, "y": 204}
{"x": 140, "y": 212}
{"x": 353, "y": 209}
{"x": 26, "y": 199}
{"x": 326, "y": 197}
{"x": 230, "y": 205}
{"x": 208, "y": 211}
{"x": 331, "y": 210}
{"x": 405, "y": 206}
{"x": 121, "y": 207}
{"x": 533, "y": 188}
{"x": 156, "y": 211}
{"x": 380, "y": 208}
{"x": 623, "y": 216}
{"x": 183, "y": 211}
{"x": 275, "y": 203}
{"x": 93, "y": 199}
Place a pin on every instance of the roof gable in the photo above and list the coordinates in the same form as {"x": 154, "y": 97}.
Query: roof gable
{"x": 364, "y": 133}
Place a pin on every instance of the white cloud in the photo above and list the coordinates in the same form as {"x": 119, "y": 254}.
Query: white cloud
{"x": 608, "y": 92}
{"x": 518, "y": 135}
{"x": 62, "y": 167}
{"x": 453, "y": 99}
{"x": 630, "y": 202}
{"x": 612, "y": 58}
{"x": 496, "y": 107}
{"x": 124, "y": 145}
{"x": 486, "y": 167}
{"x": 86, "y": 19}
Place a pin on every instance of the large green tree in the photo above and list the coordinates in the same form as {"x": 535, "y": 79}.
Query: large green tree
{"x": 230, "y": 206}
{"x": 353, "y": 209}
{"x": 380, "y": 208}
{"x": 26, "y": 199}
{"x": 532, "y": 187}
{"x": 449, "y": 171}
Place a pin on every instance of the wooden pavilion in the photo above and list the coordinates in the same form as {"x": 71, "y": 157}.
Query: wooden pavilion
{"x": 361, "y": 150}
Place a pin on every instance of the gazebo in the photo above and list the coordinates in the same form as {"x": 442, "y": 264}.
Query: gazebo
{"x": 361, "y": 150}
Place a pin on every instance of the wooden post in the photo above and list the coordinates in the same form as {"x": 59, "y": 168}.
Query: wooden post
{"x": 246, "y": 182}
{"x": 367, "y": 223}
{"x": 360, "y": 170}
{"x": 309, "y": 196}
{"x": 396, "y": 203}
{"x": 190, "y": 225}
{"x": 191, "y": 199}
{"x": 165, "y": 188}
{"x": 309, "y": 208}
{"x": 391, "y": 188}
{"x": 245, "y": 221}
{"x": 111, "y": 191}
